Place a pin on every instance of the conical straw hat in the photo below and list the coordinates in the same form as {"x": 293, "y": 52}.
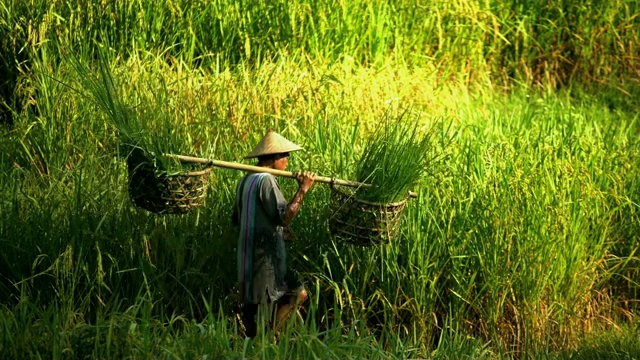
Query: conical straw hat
{"x": 273, "y": 143}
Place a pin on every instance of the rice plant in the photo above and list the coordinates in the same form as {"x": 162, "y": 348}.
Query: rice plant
{"x": 146, "y": 131}
{"x": 395, "y": 157}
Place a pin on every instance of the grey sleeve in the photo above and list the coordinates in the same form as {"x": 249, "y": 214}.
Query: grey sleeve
{"x": 273, "y": 202}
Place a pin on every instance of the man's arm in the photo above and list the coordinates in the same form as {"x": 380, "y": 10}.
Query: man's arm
{"x": 305, "y": 181}
{"x": 293, "y": 207}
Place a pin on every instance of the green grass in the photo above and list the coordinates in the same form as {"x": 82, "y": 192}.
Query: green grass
{"x": 471, "y": 41}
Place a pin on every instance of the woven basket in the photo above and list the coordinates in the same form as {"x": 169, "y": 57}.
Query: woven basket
{"x": 363, "y": 222}
{"x": 166, "y": 194}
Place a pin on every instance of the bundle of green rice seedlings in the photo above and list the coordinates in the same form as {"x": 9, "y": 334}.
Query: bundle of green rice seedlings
{"x": 394, "y": 159}
{"x": 145, "y": 132}
{"x": 147, "y": 137}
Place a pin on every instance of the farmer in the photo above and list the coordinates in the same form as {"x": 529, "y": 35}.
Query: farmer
{"x": 262, "y": 213}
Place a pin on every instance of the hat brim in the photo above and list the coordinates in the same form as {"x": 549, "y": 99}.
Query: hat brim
{"x": 271, "y": 144}
{"x": 252, "y": 156}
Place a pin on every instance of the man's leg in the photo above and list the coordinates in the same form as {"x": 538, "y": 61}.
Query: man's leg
{"x": 288, "y": 304}
{"x": 249, "y": 315}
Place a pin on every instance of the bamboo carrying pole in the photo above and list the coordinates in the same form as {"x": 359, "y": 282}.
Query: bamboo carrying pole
{"x": 252, "y": 168}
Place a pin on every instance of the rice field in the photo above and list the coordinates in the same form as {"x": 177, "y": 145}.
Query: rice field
{"x": 521, "y": 243}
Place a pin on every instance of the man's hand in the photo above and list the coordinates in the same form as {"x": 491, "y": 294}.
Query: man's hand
{"x": 305, "y": 180}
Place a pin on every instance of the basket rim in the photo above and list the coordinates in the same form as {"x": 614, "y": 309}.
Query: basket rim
{"x": 206, "y": 168}
{"x": 143, "y": 165}
{"x": 192, "y": 173}
{"x": 366, "y": 202}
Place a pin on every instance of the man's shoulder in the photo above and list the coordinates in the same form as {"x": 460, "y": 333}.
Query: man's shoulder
{"x": 268, "y": 179}
{"x": 263, "y": 179}
{"x": 256, "y": 176}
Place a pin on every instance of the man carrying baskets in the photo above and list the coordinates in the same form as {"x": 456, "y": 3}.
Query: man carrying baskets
{"x": 262, "y": 213}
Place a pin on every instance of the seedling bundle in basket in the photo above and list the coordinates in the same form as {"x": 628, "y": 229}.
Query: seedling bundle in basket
{"x": 157, "y": 183}
{"x": 392, "y": 161}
